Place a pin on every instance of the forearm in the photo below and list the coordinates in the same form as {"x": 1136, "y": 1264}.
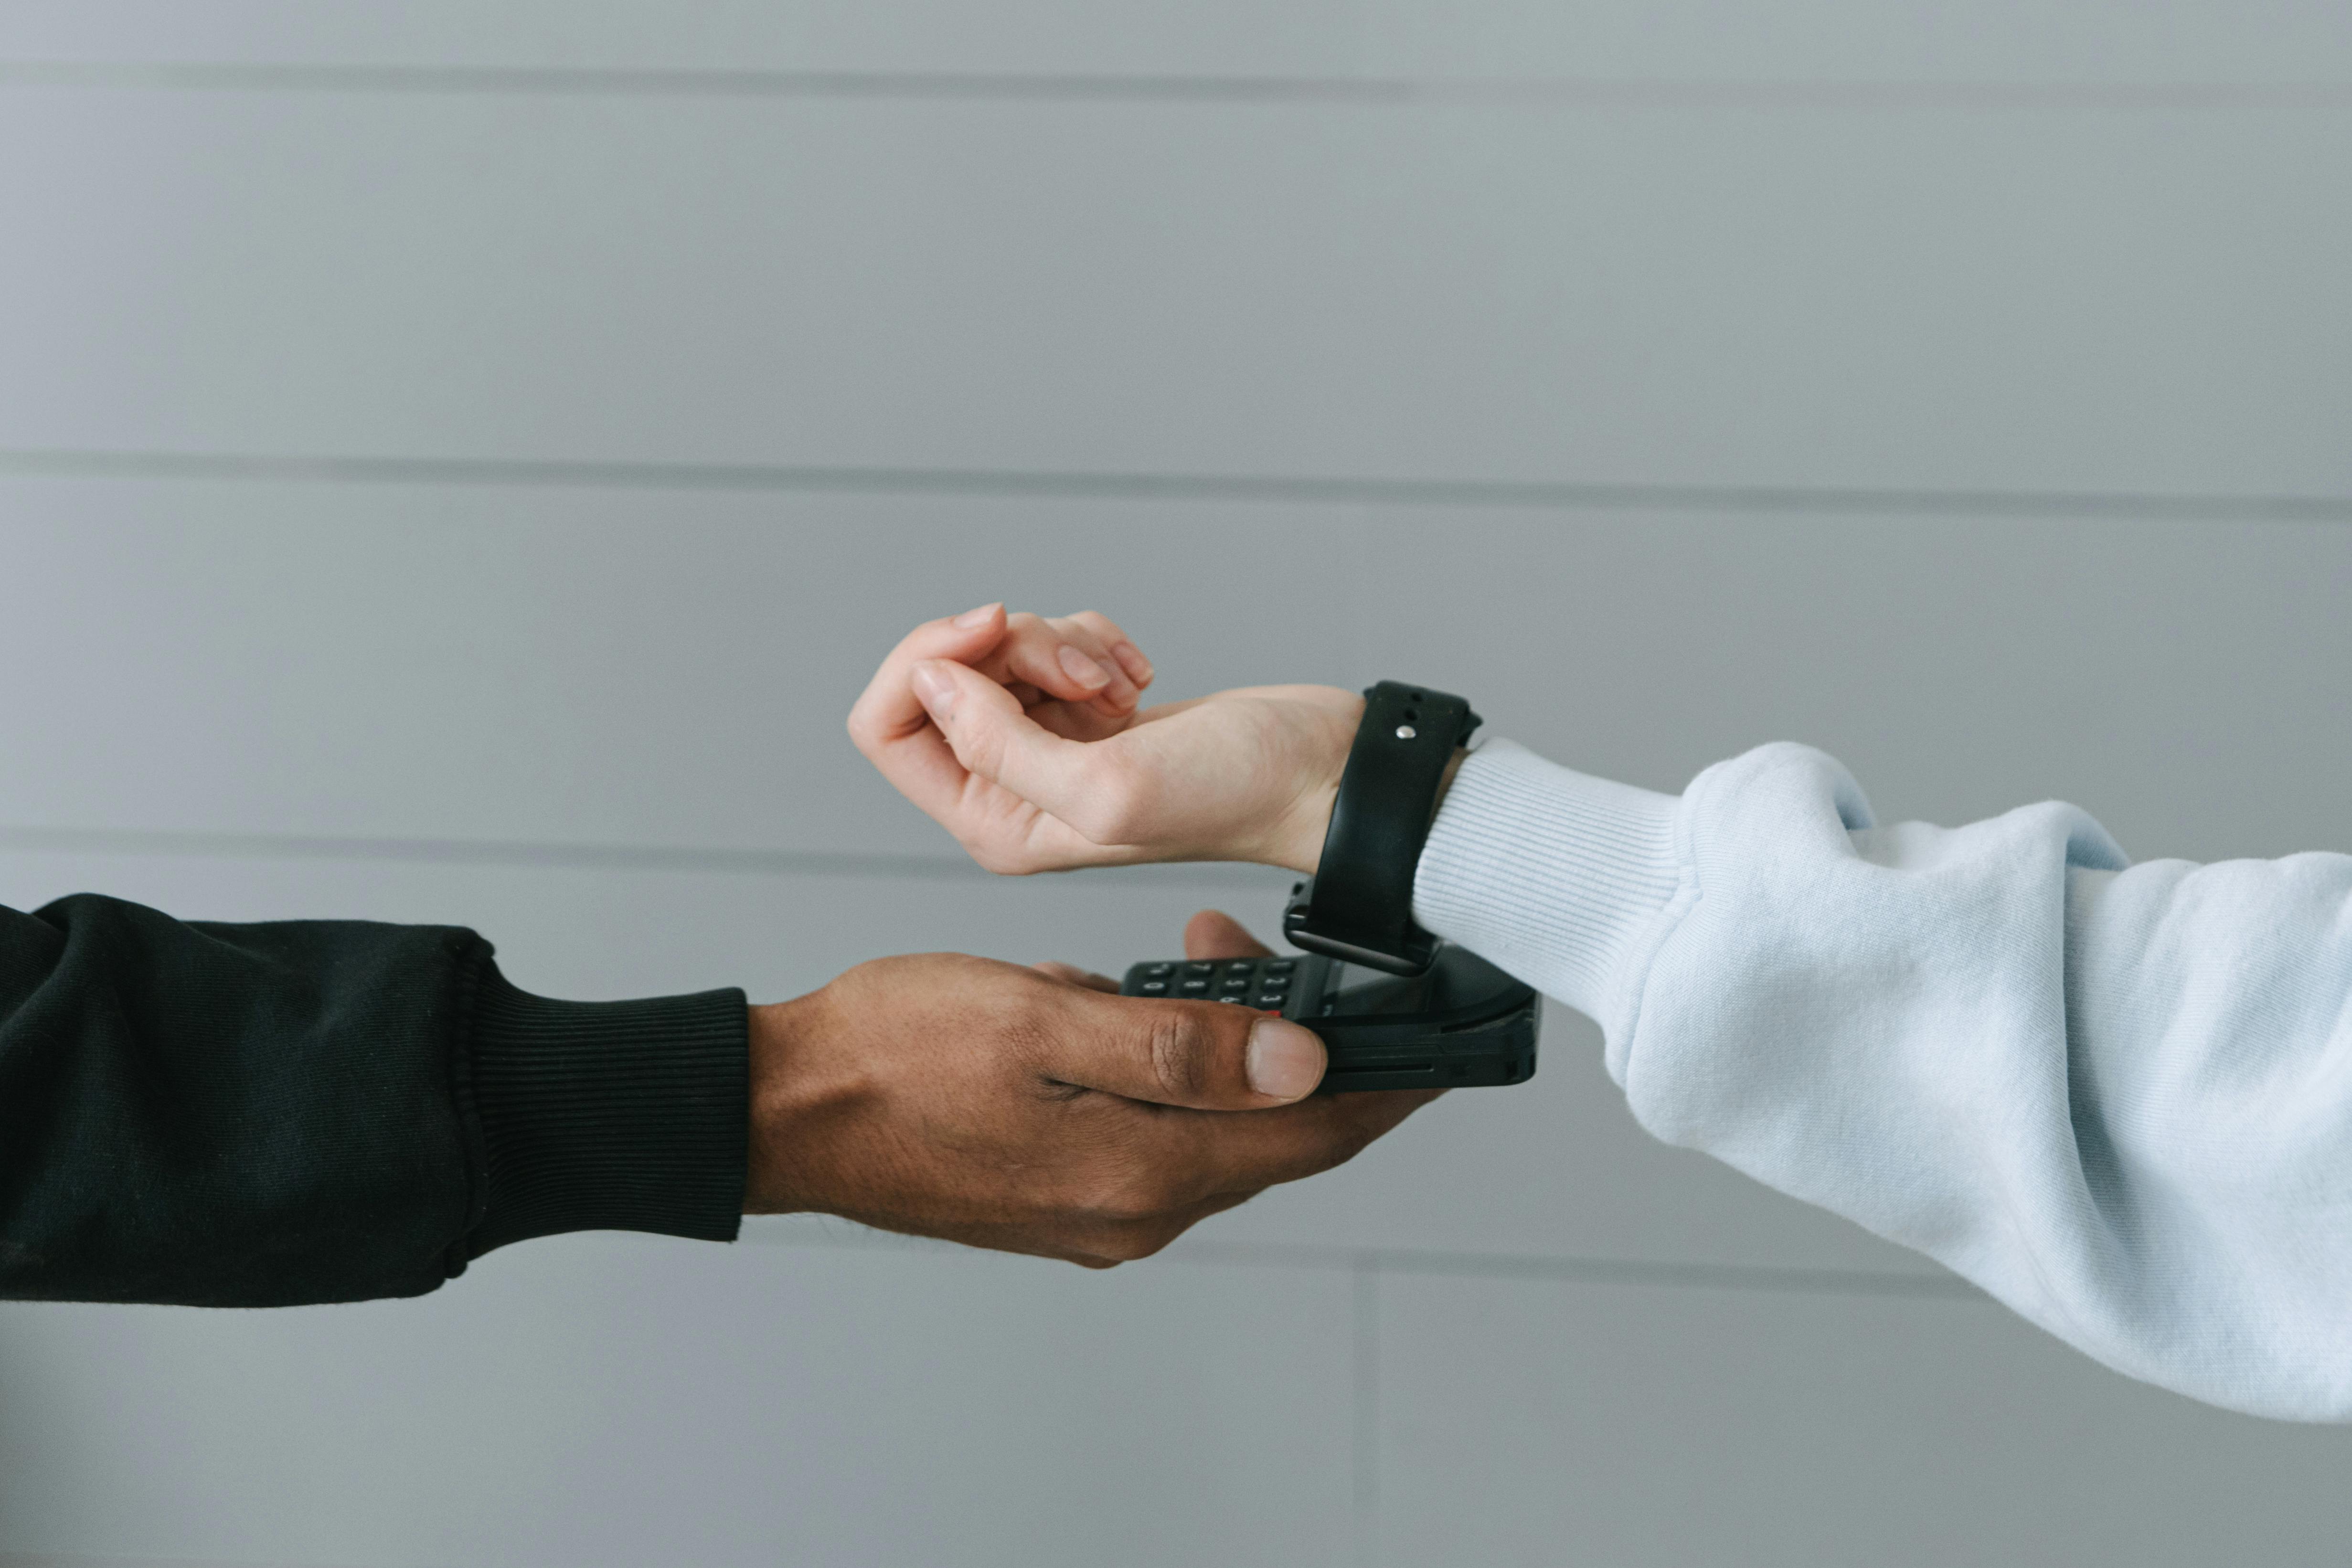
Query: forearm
{"x": 312, "y": 1111}
{"x": 2114, "y": 1098}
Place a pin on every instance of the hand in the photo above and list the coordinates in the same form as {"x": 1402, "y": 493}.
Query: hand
{"x": 986, "y": 723}
{"x": 1026, "y": 1111}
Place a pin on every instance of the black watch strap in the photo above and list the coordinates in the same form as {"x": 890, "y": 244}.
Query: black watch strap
{"x": 1359, "y": 904}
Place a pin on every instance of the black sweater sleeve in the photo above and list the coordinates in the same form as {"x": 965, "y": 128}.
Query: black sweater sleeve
{"x": 326, "y": 1111}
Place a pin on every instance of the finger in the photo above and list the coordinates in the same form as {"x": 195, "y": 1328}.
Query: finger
{"x": 1122, "y": 647}
{"x": 1105, "y": 1243}
{"x": 886, "y": 710}
{"x": 1091, "y": 1243}
{"x": 889, "y": 727}
{"x": 1246, "y": 1154}
{"x": 1073, "y": 667}
{"x": 1173, "y": 1163}
{"x": 1071, "y": 974}
{"x": 1081, "y": 631}
{"x": 1083, "y": 721}
{"x": 1213, "y": 933}
{"x": 1121, "y": 695}
{"x": 1203, "y": 1055}
{"x": 922, "y": 767}
{"x": 1090, "y": 1248}
{"x": 1078, "y": 782}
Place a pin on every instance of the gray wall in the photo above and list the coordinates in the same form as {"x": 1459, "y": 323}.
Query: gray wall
{"x": 459, "y": 461}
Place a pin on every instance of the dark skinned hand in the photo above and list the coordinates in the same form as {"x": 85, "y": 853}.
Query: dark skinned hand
{"x": 1036, "y": 1110}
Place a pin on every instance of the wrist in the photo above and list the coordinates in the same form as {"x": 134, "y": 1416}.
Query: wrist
{"x": 786, "y": 1093}
{"x": 1297, "y": 842}
{"x": 1320, "y": 742}
{"x": 1297, "y": 845}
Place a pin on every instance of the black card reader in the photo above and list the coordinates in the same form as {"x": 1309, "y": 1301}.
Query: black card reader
{"x": 1462, "y": 1023}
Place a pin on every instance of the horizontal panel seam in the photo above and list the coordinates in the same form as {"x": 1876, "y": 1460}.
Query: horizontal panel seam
{"x": 1556, "y": 1268}
{"x": 634, "y": 857}
{"x": 1111, "y": 87}
{"x": 1079, "y": 485}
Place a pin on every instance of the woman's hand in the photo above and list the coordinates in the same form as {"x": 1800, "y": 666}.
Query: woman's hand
{"x": 1021, "y": 737}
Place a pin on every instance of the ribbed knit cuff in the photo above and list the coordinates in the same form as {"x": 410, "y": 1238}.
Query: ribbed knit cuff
{"x": 609, "y": 1115}
{"x": 1548, "y": 873}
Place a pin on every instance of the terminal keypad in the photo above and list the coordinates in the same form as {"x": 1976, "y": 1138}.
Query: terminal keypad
{"x": 1261, "y": 983}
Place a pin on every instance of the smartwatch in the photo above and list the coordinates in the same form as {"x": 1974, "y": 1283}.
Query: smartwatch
{"x": 1358, "y": 906}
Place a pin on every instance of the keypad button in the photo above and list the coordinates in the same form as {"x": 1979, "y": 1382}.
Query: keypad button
{"x": 1282, "y": 965}
{"x": 1157, "y": 971}
{"x": 1196, "y": 987}
{"x": 1201, "y": 967}
{"x": 1242, "y": 967}
{"x": 1277, "y": 982}
{"x": 1154, "y": 987}
{"x": 1271, "y": 999}
{"x": 1235, "y": 982}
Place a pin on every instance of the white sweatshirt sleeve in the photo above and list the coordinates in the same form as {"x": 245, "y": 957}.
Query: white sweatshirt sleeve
{"x": 2118, "y": 1097}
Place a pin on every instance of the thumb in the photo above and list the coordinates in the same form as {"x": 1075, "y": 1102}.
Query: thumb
{"x": 994, "y": 739}
{"x": 1210, "y": 1056}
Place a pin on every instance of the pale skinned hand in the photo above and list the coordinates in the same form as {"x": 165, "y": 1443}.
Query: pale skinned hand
{"x": 1037, "y": 761}
{"x": 1024, "y": 1109}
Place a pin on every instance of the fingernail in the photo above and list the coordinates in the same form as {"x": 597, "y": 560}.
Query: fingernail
{"x": 1286, "y": 1060}
{"x": 971, "y": 618}
{"x": 935, "y": 692}
{"x": 1081, "y": 669}
{"x": 1139, "y": 668}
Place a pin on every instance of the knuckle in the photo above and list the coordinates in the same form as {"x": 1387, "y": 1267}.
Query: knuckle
{"x": 1027, "y": 1039}
{"x": 1180, "y": 1050}
{"x": 979, "y": 746}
